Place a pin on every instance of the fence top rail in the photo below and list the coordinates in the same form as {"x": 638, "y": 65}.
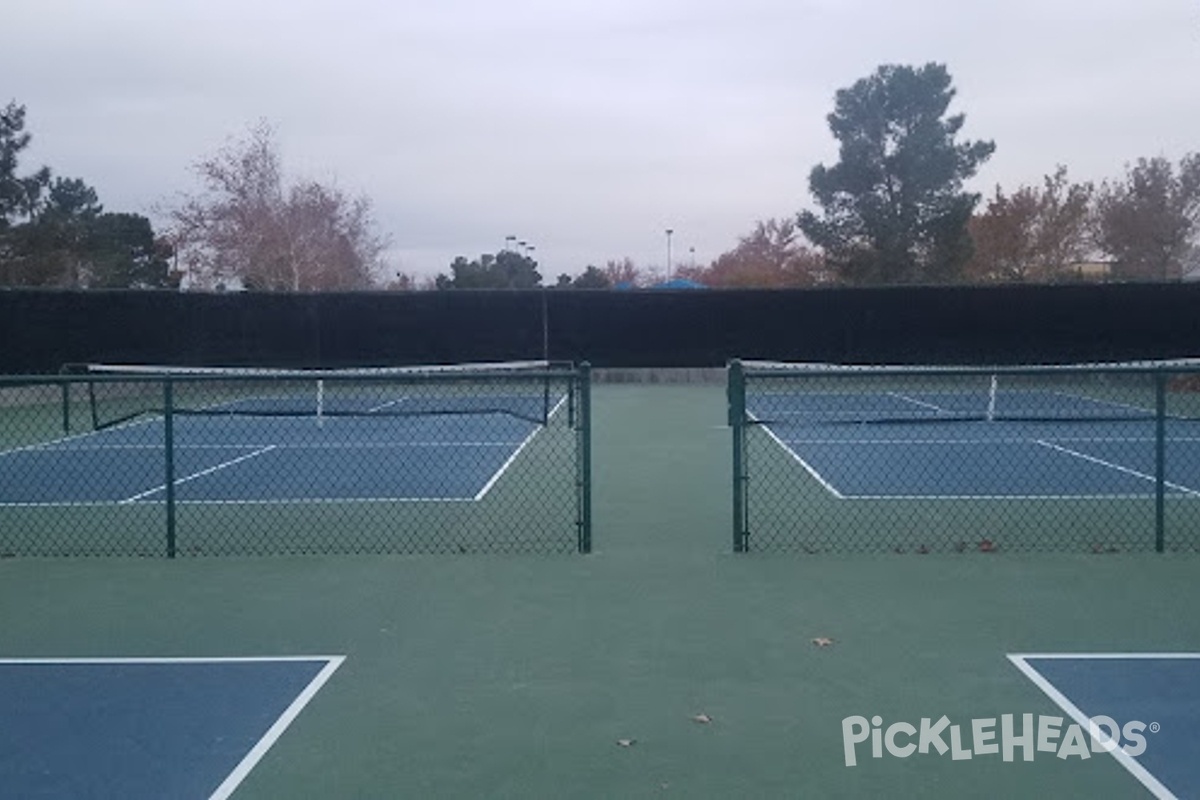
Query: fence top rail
{"x": 414, "y": 375}
{"x": 762, "y": 369}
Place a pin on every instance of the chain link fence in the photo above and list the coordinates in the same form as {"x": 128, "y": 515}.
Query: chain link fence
{"x": 1089, "y": 459}
{"x": 145, "y": 462}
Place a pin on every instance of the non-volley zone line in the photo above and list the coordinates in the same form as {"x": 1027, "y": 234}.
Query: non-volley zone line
{"x": 200, "y": 474}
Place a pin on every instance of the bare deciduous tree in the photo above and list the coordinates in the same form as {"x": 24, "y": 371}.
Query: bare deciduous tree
{"x": 246, "y": 226}
{"x": 623, "y": 272}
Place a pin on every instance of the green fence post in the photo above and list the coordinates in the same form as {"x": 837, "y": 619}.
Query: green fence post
{"x": 1160, "y": 459}
{"x": 169, "y": 446}
{"x": 585, "y": 457}
{"x": 736, "y": 399}
{"x": 66, "y": 406}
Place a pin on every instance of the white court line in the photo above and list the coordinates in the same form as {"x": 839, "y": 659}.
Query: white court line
{"x": 200, "y": 474}
{"x": 807, "y": 467}
{"x": 973, "y": 442}
{"x": 76, "y": 436}
{"x": 280, "y": 501}
{"x": 385, "y": 445}
{"x": 960, "y": 497}
{"x": 876, "y": 442}
{"x": 251, "y": 759}
{"x": 487, "y": 487}
{"x": 1099, "y": 401}
{"x": 169, "y": 660}
{"x": 1127, "y": 439}
{"x": 91, "y": 448}
{"x": 1118, "y": 467}
{"x": 230, "y": 784}
{"x": 388, "y": 404}
{"x": 261, "y": 449}
{"x": 1110, "y": 656}
{"x": 990, "y": 441}
{"x": 915, "y": 401}
{"x": 1020, "y": 661}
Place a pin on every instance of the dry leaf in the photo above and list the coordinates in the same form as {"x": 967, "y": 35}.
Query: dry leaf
{"x": 703, "y": 719}
{"x": 626, "y": 742}
{"x": 822, "y": 641}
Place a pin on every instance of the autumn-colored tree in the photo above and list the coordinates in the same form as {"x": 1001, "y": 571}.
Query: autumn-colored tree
{"x": 247, "y": 226}
{"x": 1149, "y": 222}
{"x": 1034, "y": 234}
{"x": 772, "y": 255}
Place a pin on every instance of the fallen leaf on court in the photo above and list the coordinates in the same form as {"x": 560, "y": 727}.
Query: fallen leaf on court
{"x": 987, "y": 546}
{"x": 923, "y": 550}
{"x": 703, "y": 719}
{"x": 626, "y": 742}
{"x": 822, "y": 641}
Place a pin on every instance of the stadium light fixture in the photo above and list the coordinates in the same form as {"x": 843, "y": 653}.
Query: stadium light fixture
{"x": 669, "y": 232}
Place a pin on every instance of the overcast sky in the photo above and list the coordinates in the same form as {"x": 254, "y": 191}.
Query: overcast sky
{"x": 586, "y": 127}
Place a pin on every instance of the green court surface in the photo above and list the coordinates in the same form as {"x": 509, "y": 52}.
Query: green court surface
{"x": 515, "y": 676}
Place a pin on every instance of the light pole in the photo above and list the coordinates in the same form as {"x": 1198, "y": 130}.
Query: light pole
{"x": 669, "y": 232}
{"x": 507, "y": 240}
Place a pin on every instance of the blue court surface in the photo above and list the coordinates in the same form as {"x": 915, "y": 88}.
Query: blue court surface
{"x": 235, "y": 459}
{"x": 882, "y": 446}
{"x": 146, "y": 728}
{"x": 1159, "y": 693}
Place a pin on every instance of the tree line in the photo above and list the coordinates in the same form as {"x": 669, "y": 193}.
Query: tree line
{"x": 892, "y": 210}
